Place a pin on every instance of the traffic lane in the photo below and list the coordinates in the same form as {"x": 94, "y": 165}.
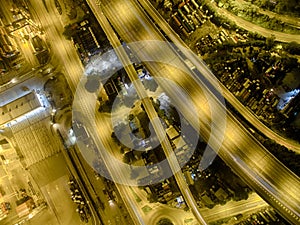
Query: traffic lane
{"x": 284, "y": 37}
{"x": 232, "y": 208}
{"x": 127, "y": 12}
{"x": 157, "y": 126}
{"x": 168, "y": 54}
{"x": 254, "y": 151}
{"x": 270, "y": 173}
{"x": 168, "y": 150}
{"x": 234, "y": 133}
{"x": 147, "y": 52}
{"x": 131, "y": 72}
{"x": 62, "y": 48}
{"x": 237, "y": 138}
{"x": 227, "y": 94}
{"x": 257, "y": 157}
{"x": 85, "y": 103}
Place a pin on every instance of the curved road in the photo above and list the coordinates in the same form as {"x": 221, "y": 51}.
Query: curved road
{"x": 240, "y": 150}
{"x": 244, "y": 111}
{"x": 285, "y": 18}
{"x": 279, "y": 36}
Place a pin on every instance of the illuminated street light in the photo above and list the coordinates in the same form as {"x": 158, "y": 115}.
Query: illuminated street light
{"x": 14, "y": 80}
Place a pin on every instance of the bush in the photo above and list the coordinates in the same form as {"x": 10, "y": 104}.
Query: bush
{"x": 293, "y": 48}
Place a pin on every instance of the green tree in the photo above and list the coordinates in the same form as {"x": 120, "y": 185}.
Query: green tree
{"x": 152, "y": 197}
{"x": 270, "y": 41}
{"x": 69, "y": 31}
{"x": 164, "y": 221}
{"x": 293, "y": 48}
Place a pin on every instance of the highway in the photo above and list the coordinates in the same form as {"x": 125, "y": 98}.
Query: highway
{"x": 244, "y": 111}
{"x": 159, "y": 130}
{"x": 104, "y": 129}
{"x": 149, "y": 108}
{"x": 232, "y": 208}
{"x": 250, "y": 160}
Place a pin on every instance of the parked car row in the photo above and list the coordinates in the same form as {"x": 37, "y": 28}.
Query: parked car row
{"x": 78, "y": 198}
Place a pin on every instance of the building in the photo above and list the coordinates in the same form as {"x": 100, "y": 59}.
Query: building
{"x": 7, "y": 48}
{"x": 221, "y": 194}
{"x": 172, "y": 133}
{"x": 19, "y": 107}
{"x": 85, "y": 40}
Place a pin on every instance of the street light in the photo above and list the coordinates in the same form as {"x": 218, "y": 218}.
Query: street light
{"x": 14, "y": 80}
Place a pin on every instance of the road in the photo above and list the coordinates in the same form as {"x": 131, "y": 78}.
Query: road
{"x": 232, "y": 208}
{"x": 240, "y": 150}
{"x": 26, "y": 57}
{"x": 279, "y": 36}
{"x": 63, "y": 50}
{"x": 285, "y": 18}
{"x": 55, "y": 188}
{"x": 244, "y": 111}
{"x": 152, "y": 114}
{"x": 64, "y": 54}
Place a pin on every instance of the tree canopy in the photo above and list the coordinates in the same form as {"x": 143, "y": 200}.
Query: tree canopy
{"x": 164, "y": 221}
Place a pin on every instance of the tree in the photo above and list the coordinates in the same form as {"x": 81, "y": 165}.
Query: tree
{"x": 164, "y": 221}
{"x": 152, "y": 197}
{"x": 289, "y": 62}
{"x": 270, "y": 41}
{"x": 293, "y": 48}
{"x": 69, "y": 31}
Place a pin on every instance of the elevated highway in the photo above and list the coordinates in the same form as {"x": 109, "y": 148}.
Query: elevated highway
{"x": 242, "y": 152}
{"x": 244, "y": 111}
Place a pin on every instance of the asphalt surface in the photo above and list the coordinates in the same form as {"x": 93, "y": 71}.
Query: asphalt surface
{"x": 241, "y": 151}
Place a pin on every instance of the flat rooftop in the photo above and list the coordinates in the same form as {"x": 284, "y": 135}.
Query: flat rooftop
{"x": 19, "y": 107}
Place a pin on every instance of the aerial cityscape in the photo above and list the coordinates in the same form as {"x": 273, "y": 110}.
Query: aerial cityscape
{"x": 149, "y": 112}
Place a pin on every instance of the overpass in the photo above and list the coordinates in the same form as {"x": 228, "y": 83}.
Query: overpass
{"x": 242, "y": 152}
